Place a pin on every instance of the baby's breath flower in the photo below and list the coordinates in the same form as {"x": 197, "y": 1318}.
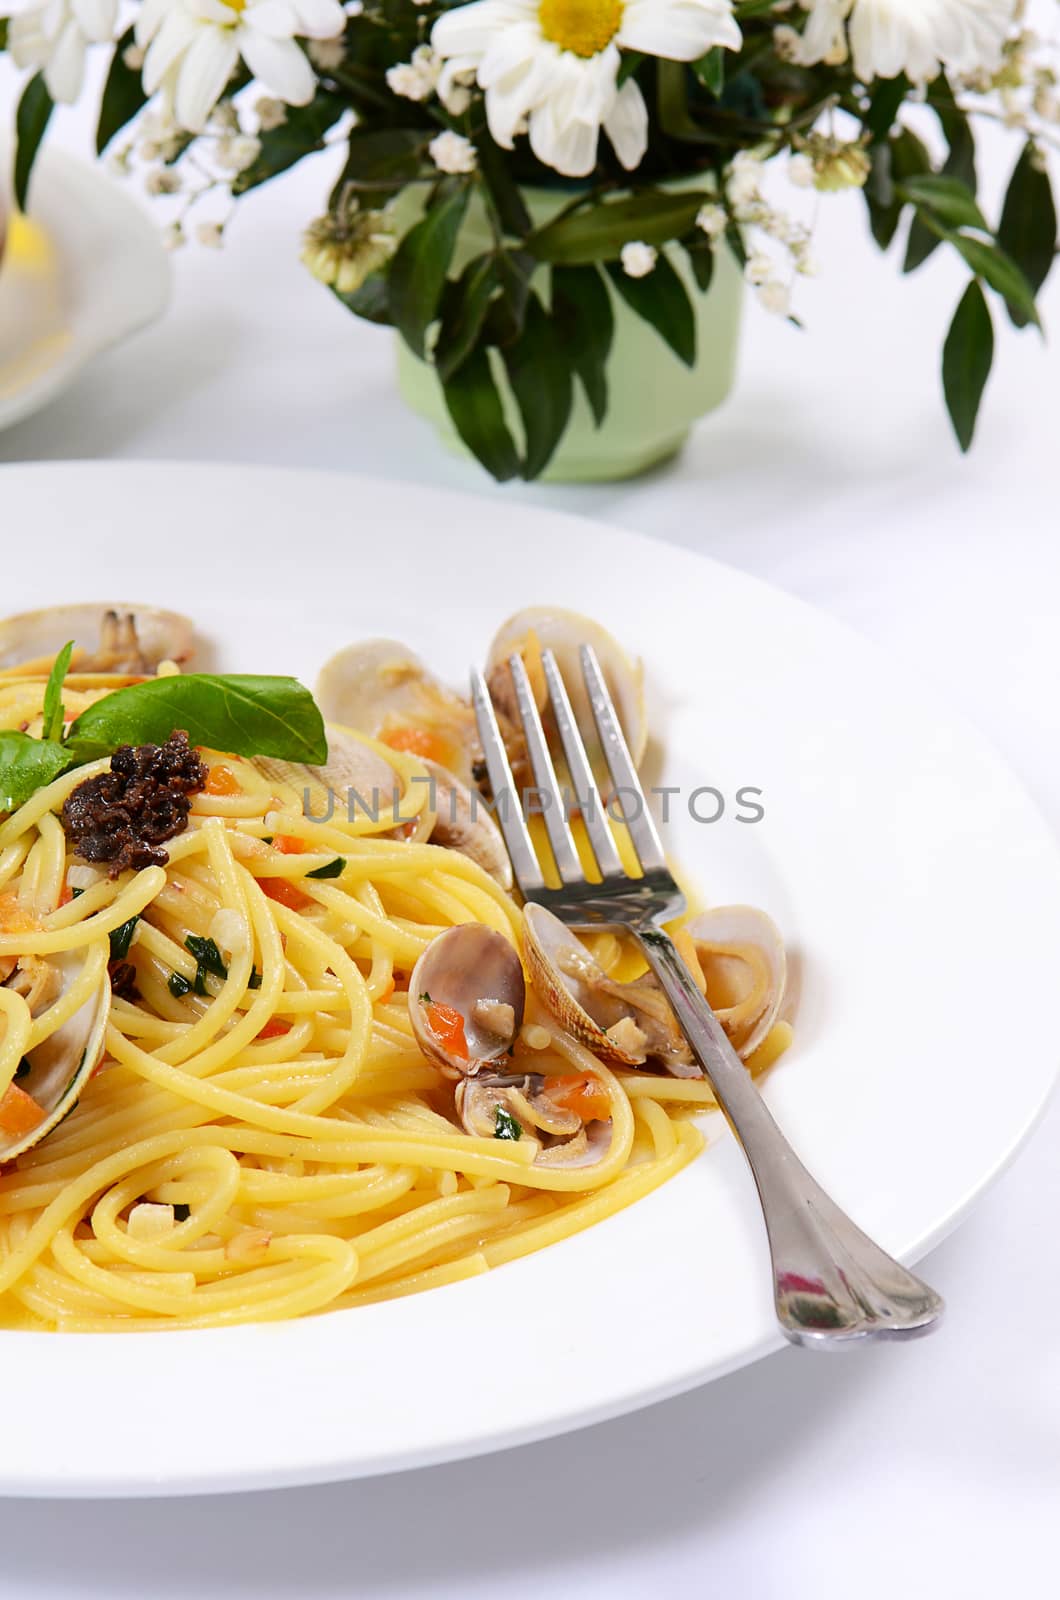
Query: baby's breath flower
{"x": 164, "y": 181}
{"x": 271, "y": 113}
{"x": 712, "y": 220}
{"x": 327, "y": 54}
{"x": 133, "y": 57}
{"x": 173, "y": 236}
{"x": 451, "y": 152}
{"x": 800, "y": 170}
{"x": 416, "y": 79}
{"x": 775, "y": 296}
{"x": 210, "y": 234}
{"x": 759, "y": 269}
{"x": 638, "y": 259}
{"x": 837, "y": 163}
{"x": 239, "y": 153}
{"x": 347, "y": 245}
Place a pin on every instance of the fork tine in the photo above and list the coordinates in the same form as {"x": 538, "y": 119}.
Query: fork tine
{"x": 641, "y": 827}
{"x": 607, "y": 857}
{"x": 559, "y": 834}
{"x": 509, "y": 814}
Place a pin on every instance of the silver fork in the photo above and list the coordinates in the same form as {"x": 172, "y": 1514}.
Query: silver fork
{"x": 831, "y": 1283}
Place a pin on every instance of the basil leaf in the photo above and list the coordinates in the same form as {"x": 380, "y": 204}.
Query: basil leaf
{"x": 330, "y": 869}
{"x": 249, "y": 716}
{"x": 121, "y": 939}
{"x": 505, "y": 1125}
{"x": 53, "y": 704}
{"x": 27, "y": 765}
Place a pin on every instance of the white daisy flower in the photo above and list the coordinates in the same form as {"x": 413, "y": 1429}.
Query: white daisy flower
{"x": 555, "y": 63}
{"x": 917, "y": 37}
{"x": 53, "y": 38}
{"x": 194, "y": 46}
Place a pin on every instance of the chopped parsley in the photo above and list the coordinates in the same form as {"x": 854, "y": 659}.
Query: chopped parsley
{"x": 75, "y": 894}
{"x": 178, "y": 985}
{"x": 330, "y": 869}
{"x": 181, "y": 1212}
{"x": 425, "y": 999}
{"x": 505, "y": 1125}
{"x": 254, "y": 981}
{"x": 121, "y": 938}
{"x": 24, "y": 1067}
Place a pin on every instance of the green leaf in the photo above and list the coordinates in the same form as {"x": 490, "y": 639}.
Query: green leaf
{"x": 507, "y": 314}
{"x": 505, "y": 1125}
{"x": 887, "y": 98}
{"x": 123, "y": 94}
{"x": 381, "y": 161}
{"x": 1027, "y": 231}
{"x": 661, "y": 299}
{"x": 540, "y": 375}
{"x": 899, "y": 158}
{"x": 474, "y": 404}
{"x": 599, "y": 232}
{"x": 464, "y": 311}
{"x": 371, "y": 301}
{"x": 418, "y": 271}
{"x": 585, "y": 321}
{"x": 247, "y": 715}
{"x": 947, "y": 198}
{"x": 3, "y": 33}
{"x": 31, "y": 119}
{"x": 53, "y": 702}
{"x": 1002, "y": 274}
{"x": 700, "y": 252}
{"x": 121, "y": 938}
{"x": 207, "y": 955}
{"x": 710, "y": 70}
{"x": 330, "y": 869}
{"x": 299, "y": 135}
{"x": 27, "y": 765}
{"x": 501, "y": 187}
{"x": 966, "y": 361}
{"x": 959, "y": 163}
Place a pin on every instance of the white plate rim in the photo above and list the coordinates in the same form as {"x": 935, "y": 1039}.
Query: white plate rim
{"x": 262, "y": 1349}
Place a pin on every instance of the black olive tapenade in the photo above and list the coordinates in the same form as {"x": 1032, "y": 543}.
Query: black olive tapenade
{"x": 123, "y": 816}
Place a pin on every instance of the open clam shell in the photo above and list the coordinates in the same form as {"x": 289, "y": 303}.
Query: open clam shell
{"x": 356, "y": 779}
{"x": 475, "y": 972}
{"x": 384, "y": 690}
{"x": 562, "y": 1139}
{"x": 462, "y": 823}
{"x": 108, "y": 638}
{"x": 60, "y": 1066}
{"x": 742, "y": 955}
{"x": 539, "y": 628}
{"x": 562, "y": 973}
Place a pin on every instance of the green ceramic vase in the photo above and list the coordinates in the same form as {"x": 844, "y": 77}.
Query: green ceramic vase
{"x": 654, "y": 397}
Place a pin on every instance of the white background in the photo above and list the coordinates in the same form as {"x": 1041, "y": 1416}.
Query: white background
{"x": 933, "y": 1468}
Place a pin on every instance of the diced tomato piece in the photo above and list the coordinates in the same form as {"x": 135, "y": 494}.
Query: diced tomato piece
{"x": 285, "y": 893}
{"x": 67, "y": 894}
{"x": 388, "y": 992}
{"x": 581, "y": 1093}
{"x": 447, "y": 1025}
{"x": 418, "y": 742}
{"x": 274, "y": 1028}
{"x": 221, "y": 780}
{"x": 19, "y": 1112}
{"x": 288, "y": 844}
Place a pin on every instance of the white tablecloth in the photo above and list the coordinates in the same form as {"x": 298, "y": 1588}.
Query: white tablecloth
{"x": 933, "y": 1468}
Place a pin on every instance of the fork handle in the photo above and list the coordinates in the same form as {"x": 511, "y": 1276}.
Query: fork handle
{"x": 831, "y": 1283}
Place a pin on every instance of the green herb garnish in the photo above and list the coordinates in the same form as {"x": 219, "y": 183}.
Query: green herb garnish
{"x": 505, "y": 1125}
{"x": 75, "y": 894}
{"x": 249, "y": 716}
{"x": 178, "y": 985}
{"x": 254, "y": 981}
{"x": 53, "y": 694}
{"x": 208, "y": 961}
{"x": 181, "y": 1212}
{"x": 425, "y": 999}
{"x": 24, "y": 1068}
{"x": 121, "y": 939}
{"x": 330, "y": 869}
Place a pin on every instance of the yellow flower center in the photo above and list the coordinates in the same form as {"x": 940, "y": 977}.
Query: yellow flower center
{"x": 583, "y": 26}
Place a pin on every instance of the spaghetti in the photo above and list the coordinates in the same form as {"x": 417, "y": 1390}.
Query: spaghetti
{"x": 264, "y": 1138}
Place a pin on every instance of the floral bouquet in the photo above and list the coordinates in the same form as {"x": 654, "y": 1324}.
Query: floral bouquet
{"x": 520, "y": 175}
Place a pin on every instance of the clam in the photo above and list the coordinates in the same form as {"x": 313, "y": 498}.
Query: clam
{"x": 742, "y": 956}
{"x": 623, "y": 1023}
{"x": 474, "y": 972}
{"x": 462, "y": 823}
{"x": 563, "y": 1140}
{"x": 540, "y": 628}
{"x": 57, "y": 1070}
{"x": 381, "y": 688}
{"x": 356, "y": 777}
{"x": 112, "y": 638}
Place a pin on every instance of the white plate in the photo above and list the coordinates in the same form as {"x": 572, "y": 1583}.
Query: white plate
{"x": 918, "y": 886}
{"x": 85, "y": 271}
